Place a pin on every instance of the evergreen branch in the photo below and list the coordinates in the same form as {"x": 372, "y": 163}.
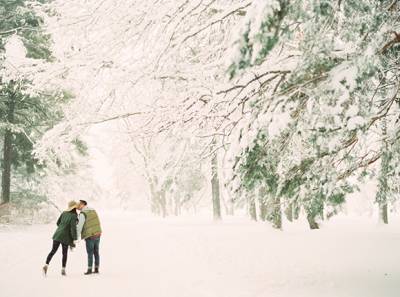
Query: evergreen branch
{"x": 385, "y": 110}
{"x": 15, "y": 30}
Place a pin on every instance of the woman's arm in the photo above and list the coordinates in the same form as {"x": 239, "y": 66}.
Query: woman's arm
{"x": 72, "y": 226}
{"x": 59, "y": 220}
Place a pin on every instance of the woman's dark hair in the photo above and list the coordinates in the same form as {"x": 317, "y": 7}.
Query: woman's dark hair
{"x": 83, "y": 201}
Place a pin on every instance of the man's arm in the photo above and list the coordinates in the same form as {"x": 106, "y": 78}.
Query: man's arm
{"x": 81, "y": 222}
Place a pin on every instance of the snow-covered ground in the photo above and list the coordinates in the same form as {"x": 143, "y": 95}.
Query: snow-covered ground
{"x": 195, "y": 257}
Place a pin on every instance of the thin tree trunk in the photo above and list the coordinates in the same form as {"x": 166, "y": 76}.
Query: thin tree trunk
{"x": 383, "y": 213}
{"x": 7, "y": 155}
{"x": 224, "y": 203}
{"x": 6, "y": 172}
{"x": 289, "y": 213}
{"x": 311, "y": 221}
{"x": 296, "y": 212}
{"x": 383, "y": 188}
{"x": 252, "y": 207}
{"x": 163, "y": 203}
{"x": 277, "y": 213}
{"x": 263, "y": 204}
{"x": 177, "y": 202}
{"x": 228, "y": 203}
{"x": 215, "y": 187}
{"x": 270, "y": 208}
{"x": 154, "y": 199}
{"x": 231, "y": 206}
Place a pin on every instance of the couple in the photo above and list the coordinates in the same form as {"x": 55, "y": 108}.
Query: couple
{"x": 70, "y": 227}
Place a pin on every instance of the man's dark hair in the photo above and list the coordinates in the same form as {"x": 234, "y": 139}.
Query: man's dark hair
{"x": 83, "y": 201}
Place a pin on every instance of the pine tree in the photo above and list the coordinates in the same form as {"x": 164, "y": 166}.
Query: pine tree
{"x": 25, "y": 113}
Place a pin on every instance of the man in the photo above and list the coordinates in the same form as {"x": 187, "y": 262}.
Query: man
{"x": 89, "y": 229}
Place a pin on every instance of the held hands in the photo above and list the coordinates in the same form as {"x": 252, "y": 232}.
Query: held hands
{"x": 73, "y": 245}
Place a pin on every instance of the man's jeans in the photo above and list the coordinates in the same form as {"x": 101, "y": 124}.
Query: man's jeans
{"x": 92, "y": 249}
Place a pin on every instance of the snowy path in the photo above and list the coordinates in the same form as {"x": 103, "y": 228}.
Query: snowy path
{"x": 196, "y": 258}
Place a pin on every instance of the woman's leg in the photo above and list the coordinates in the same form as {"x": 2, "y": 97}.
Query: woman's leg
{"x": 54, "y": 249}
{"x": 64, "y": 255}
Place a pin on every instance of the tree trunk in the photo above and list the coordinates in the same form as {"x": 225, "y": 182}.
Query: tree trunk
{"x": 228, "y": 201}
{"x": 153, "y": 198}
{"x": 277, "y": 213}
{"x": 215, "y": 187}
{"x": 224, "y": 204}
{"x": 383, "y": 213}
{"x": 252, "y": 207}
{"x": 163, "y": 203}
{"x": 6, "y": 170}
{"x": 383, "y": 188}
{"x": 263, "y": 204}
{"x": 7, "y": 154}
{"x": 231, "y": 206}
{"x": 177, "y": 202}
{"x": 270, "y": 208}
{"x": 289, "y": 213}
{"x": 311, "y": 221}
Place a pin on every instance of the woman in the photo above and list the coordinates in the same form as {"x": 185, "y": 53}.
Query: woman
{"x": 65, "y": 235}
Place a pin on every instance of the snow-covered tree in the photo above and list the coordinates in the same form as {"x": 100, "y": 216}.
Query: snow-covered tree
{"x": 326, "y": 83}
{"x": 26, "y": 110}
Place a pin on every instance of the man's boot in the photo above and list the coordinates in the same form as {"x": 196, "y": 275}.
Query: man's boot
{"x": 63, "y": 272}
{"x": 96, "y": 270}
{"x": 89, "y": 271}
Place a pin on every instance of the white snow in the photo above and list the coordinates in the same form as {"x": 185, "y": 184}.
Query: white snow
{"x": 355, "y": 122}
{"x": 15, "y": 51}
{"x": 195, "y": 257}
